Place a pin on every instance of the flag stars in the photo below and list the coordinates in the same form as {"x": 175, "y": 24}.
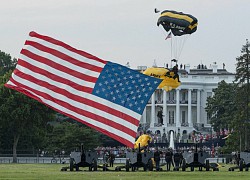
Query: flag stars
{"x": 125, "y": 87}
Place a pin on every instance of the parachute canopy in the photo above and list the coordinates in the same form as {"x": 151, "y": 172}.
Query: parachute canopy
{"x": 170, "y": 77}
{"x": 177, "y": 22}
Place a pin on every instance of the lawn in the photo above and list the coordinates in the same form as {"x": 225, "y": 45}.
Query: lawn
{"x": 52, "y": 171}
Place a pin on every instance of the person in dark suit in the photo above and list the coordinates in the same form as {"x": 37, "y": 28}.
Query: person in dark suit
{"x": 168, "y": 158}
{"x": 157, "y": 159}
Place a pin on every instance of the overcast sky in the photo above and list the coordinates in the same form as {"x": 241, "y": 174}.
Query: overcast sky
{"x": 124, "y": 31}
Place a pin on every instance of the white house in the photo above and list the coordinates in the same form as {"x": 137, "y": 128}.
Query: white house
{"x": 183, "y": 109}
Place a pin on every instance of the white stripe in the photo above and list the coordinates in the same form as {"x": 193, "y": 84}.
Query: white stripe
{"x": 84, "y": 119}
{"x": 57, "y": 72}
{"x": 79, "y": 104}
{"x": 52, "y": 82}
{"x": 61, "y": 61}
{"x": 66, "y": 51}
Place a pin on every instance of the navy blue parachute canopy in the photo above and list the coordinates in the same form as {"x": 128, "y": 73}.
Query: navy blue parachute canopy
{"x": 177, "y": 22}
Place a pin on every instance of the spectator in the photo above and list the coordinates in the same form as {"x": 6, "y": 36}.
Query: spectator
{"x": 168, "y": 158}
{"x": 157, "y": 158}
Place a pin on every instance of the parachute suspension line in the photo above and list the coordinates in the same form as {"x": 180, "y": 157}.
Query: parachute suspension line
{"x": 182, "y": 43}
{"x": 178, "y": 44}
{"x": 165, "y": 35}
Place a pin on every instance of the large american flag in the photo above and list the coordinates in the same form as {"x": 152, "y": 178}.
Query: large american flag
{"x": 103, "y": 95}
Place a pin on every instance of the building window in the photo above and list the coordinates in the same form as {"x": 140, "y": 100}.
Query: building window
{"x": 183, "y": 113}
{"x": 159, "y": 96}
{"x": 171, "y": 95}
{"x": 194, "y": 96}
{"x": 183, "y": 96}
{"x": 171, "y": 117}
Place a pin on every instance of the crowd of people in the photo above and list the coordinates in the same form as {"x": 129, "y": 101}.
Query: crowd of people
{"x": 194, "y": 137}
{"x": 120, "y": 152}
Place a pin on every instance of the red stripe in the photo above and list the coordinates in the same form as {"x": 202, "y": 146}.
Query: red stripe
{"x": 64, "y": 56}
{"x": 110, "y": 134}
{"x": 58, "y": 66}
{"x": 66, "y": 46}
{"x": 67, "y": 105}
{"x": 54, "y": 77}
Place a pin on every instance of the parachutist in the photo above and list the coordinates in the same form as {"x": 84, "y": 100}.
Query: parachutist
{"x": 176, "y": 75}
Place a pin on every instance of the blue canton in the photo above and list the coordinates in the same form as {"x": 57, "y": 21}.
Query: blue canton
{"x": 126, "y": 87}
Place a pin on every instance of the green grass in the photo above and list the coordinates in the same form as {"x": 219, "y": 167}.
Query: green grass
{"x": 52, "y": 171}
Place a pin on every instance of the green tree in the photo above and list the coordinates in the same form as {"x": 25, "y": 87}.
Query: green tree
{"x": 6, "y": 63}
{"x": 242, "y": 79}
{"x": 221, "y": 107}
{"x": 69, "y": 136}
{"x": 20, "y": 115}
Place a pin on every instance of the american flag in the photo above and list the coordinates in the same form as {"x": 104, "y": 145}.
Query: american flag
{"x": 100, "y": 94}
{"x": 168, "y": 36}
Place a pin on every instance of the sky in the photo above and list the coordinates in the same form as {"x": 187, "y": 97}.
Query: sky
{"x": 124, "y": 31}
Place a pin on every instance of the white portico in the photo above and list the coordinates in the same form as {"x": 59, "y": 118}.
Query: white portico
{"x": 183, "y": 109}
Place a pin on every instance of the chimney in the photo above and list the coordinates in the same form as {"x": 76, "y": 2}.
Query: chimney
{"x": 214, "y": 66}
{"x": 187, "y": 68}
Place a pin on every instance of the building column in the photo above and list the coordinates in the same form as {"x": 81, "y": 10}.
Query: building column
{"x": 190, "y": 123}
{"x": 144, "y": 116}
{"x": 178, "y": 124}
{"x": 165, "y": 108}
{"x": 152, "y": 122}
{"x": 198, "y": 106}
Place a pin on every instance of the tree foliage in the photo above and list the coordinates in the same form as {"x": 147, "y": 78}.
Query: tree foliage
{"x": 242, "y": 78}
{"x": 221, "y": 107}
{"x": 229, "y": 107}
{"x": 69, "y": 136}
{"x": 20, "y": 116}
{"x": 6, "y": 63}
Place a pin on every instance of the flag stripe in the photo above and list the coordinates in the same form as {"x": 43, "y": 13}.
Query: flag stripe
{"x": 58, "y": 66}
{"x": 72, "y": 103}
{"x": 57, "y": 80}
{"x": 80, "y": 69}
{"x": 61, "y": 74}
{"x": 63, "y": 57}
{"x": 66, "y": 46}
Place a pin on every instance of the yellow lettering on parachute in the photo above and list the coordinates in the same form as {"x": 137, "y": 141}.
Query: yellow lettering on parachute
{"x": 170, "y": 79}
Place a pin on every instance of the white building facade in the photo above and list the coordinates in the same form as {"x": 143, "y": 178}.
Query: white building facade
{"x": 183, "y": 109}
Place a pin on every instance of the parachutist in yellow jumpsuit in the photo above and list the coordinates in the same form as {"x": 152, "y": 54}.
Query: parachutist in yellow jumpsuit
{"x": 143, "y": 141}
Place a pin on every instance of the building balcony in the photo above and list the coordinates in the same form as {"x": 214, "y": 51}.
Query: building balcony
{"x": 171, "y": 101}
{"x": 171, "y": 125}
